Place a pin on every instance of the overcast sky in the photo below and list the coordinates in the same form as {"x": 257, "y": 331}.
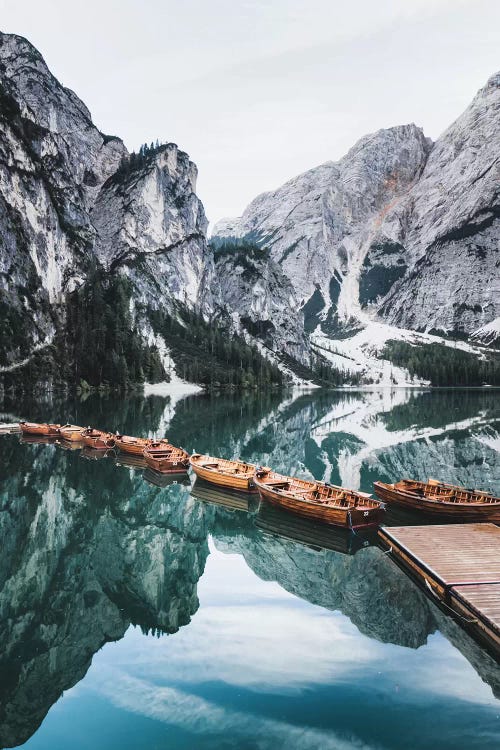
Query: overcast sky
{"x": 257, "y": 92}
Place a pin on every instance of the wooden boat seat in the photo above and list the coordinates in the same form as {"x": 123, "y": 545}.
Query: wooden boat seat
{"x": 443, "y": 497}
{"x": 209, "y": 465}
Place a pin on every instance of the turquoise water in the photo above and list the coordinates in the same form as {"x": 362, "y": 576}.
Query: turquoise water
{"x": 134, "y": 616}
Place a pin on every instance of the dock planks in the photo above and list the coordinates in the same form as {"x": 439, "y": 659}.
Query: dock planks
{"x": 460, "y": 564}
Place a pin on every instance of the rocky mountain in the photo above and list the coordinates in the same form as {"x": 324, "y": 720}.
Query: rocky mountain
{"x": 103, "y": 253}
{"x": 106, "y": 276}
{"x": 401, "y": 235}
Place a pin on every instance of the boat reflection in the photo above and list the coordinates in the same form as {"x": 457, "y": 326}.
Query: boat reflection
{"x": 95, "y": 454}
{"x": 130, "y": 461}
{"x": 38, "y": 439}
{"x": 229, "y": 499}
{"x": 71, "y": 445}
{"x": 317, "y": 536}
{"x": 158, "y": 479}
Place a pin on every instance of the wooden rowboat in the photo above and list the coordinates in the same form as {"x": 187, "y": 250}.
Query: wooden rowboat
{"x": 72, "y": 433}
{"x": 33, "y": 428}
{"x": 323, "y": 502}
{"x": 98, "y": 440}
{"x": 441, "y": 500}
{"x": 167, "y": 459}
{"x": 235, "y": 475}
{"x": 135, "y": 445}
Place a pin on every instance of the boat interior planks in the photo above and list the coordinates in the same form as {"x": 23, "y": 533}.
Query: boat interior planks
{"x": 167, "y": 459}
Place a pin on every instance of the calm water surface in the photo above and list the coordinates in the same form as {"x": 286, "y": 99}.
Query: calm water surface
{"x": 134, "y": 616}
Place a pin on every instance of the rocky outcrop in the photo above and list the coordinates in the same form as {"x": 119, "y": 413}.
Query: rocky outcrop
{"x": 151, "y": 225}
{"x": 259, "y": 297}
{"x": 450, "y": 228}
{"x": 315, "y": 225}
{"x": 398, "y": 234}
{"x": 53, "y": 161}
{"x": 400, "y": 231}
{"x": 71, "y": 198}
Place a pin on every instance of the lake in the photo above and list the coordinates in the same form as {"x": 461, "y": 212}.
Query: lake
{"x": 137, "y": 616}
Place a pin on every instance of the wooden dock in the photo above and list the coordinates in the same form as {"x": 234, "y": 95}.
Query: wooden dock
{"x": 459, "y": 564}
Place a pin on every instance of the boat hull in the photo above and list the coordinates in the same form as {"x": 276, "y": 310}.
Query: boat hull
{"x": 47, "y": 430}
{"x": 349, "y": 518}
{"x": 99, "y": 442}
{"x": 166, "y": 458}
{"x": 458, "y": 512}
{"x": 72, "y": 434}
{"x": 134, "y": 446}
{"x": 221, "y": 478}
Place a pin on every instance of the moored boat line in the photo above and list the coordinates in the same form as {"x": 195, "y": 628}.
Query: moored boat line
{"x": 320, "y": 501}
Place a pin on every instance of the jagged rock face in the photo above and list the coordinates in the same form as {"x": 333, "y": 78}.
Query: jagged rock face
{"x": 399, "y": 230}
{"x": 259, "y": 297}
{"x": 53, "y": 161}
{"x": 151, "y": 225}
{"x": 366, "y": 587}
{"x": 64, "y": 204}
{"x": 450, "y": 227}
{"x": 316, "y": 224}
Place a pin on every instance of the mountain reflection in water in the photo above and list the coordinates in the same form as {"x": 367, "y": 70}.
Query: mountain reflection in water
{"x": 90, "y": 548}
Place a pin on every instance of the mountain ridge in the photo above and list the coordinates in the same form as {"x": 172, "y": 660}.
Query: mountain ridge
{"x": 398, "y": 238}
{"x": 312, "y": 284}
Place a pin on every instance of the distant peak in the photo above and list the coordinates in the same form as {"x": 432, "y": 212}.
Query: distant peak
{"x": 493, "y": 81}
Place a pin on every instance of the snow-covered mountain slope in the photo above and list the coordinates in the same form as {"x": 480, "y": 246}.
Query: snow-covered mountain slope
{"x": 399, "y": 236}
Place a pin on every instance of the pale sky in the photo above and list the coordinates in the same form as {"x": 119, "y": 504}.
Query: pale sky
{"x": 257, "y": 92}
